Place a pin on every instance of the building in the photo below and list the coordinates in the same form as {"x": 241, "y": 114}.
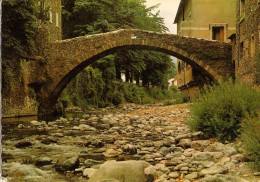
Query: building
{"x": 206, "y": 19}
{"x": 246, "y": 41}
{"x": 51, "y": 9}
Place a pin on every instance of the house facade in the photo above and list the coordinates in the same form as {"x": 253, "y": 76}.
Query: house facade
{"x": 246, "y": 41}
{"x": 51, "y": 9}
{"x": 205, "y": 19}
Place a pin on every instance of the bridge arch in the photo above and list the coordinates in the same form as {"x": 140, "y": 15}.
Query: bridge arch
{"x": 66, "y": 58}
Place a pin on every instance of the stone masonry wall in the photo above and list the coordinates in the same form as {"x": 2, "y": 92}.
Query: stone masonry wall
{"x": 247, "y": 40}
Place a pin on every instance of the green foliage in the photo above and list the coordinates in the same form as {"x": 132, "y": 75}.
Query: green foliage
{"x": 84, "y": 90}
{"x": 136, "y": 94}
{"x": 251, "y": 140}
{"x": 19, "y": 27}
{"x": 174, "y": 88}
{"x": 168, "y": 102}
{"x": 96, "y": 16}
{"x": 176, "y": 97}
{"x": 220, "y": 109}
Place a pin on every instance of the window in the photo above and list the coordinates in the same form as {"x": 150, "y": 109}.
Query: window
{"x": 218, "y": 33}
{"x": 50, "y": 11}
{"x": 42, "y": 6}
{"x": 179, "y": 67}
{"x": 252, "y": 46}
{"x": 242, "y": 9}
{"x": 241, "y": 51}
{"x": 57, "y": 19}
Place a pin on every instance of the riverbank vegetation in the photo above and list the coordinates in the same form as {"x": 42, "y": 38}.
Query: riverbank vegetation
{"x": 229, "y": 111}
{"x": 137, "y": 76}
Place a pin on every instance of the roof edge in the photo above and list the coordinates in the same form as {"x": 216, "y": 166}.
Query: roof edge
{"x": 181, "y": 6}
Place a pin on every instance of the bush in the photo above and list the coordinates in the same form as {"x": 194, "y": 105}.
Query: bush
{"x": 174, "y": 88}
{"x": 219, "y": 111}
{"x": 183, "y": 98}
{"x": 251, "y": 140}
{"x": 169, "y": 102}
{"x": 157, "y": 93}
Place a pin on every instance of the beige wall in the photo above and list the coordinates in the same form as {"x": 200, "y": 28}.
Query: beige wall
{"x": 197, "y": 20}
{"x": 200, "y": 14}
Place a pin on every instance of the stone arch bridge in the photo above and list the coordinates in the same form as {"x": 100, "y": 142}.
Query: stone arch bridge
{"x": 65, "y": 59}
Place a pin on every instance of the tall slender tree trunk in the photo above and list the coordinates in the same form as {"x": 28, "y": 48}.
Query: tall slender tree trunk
{"x": 137, "y": 79}
{"x": 132, "y": 77}
{"x": 118, "y": 73}
{"x": 127, "y": 76}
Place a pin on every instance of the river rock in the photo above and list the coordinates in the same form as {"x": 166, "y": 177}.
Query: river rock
{"x": 84, "y": 127}
{"x": 185, "y": 143}
{"x": 98, "y": 143}
{"x": 113, "y": 122}
{"x": 21, "y": 126}
{"x": 219, "y": 147}
{"x": 130, "y": 149}
{"x": 184, "y": 136}
{"x": 70, "y": 164}
{"x": 222, "y": 178}
{"x": 90, "y": 162}
{"x": 85, "y": 116}
{"x": 173, "y": 148}
{"x": 197, "y": 135}
{"x": 150, "y": 173}
{"x": 23, "y": 144}
{"x": 127, "y": 171}
{"x": 49, "y": 140}
{"x": 174, "y": 175}
{"x": 113, "y": 152}
{"x": 192, "y": 176}
{"x": 88, "y": 172}
{"x": 105, "y": 120}
{"x": 200, "y": 144}
{"x": 43, "y": 161}
{"x": 203, "y": 164}
{"x": 216, "y": 169}
{"x": 35, "y": 123}
{"x": 207, "y": 156}
{"x": 237, "y": 158}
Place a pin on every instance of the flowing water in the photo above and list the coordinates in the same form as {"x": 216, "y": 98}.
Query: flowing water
{"x": 64, "y": 142}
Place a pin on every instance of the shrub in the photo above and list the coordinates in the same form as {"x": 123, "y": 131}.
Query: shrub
{"x": 251, "y": 140}
{"x": 157, "y": 93}
{"x": 169, "y": 102}
{"x": 219, "y": 111}
{"x": 183, "y": 98}
{"x": 174, "y": 88}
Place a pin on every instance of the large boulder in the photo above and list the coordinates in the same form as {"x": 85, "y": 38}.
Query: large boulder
{"x": 69, "y": 164}
{"x": 219, "y": 147}
{"x": 200, "y": 144}
{"x": 123, "y": 171}
{"x": 216, "y": 169}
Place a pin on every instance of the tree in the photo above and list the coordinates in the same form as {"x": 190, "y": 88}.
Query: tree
{"x": 19, "y": 27}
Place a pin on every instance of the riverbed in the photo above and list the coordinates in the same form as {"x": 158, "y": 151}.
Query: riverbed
{"x": 77, "y": 146}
